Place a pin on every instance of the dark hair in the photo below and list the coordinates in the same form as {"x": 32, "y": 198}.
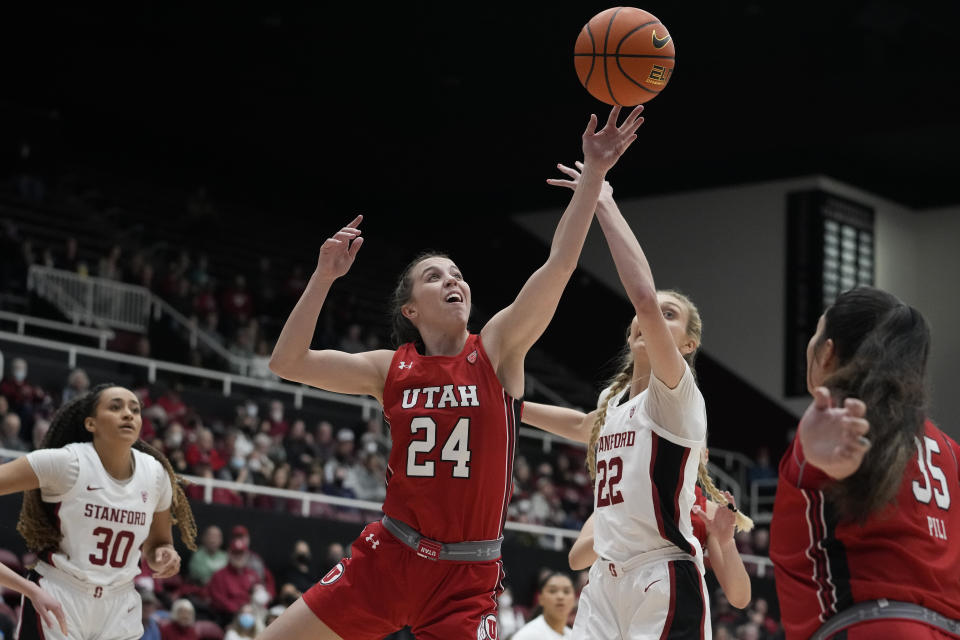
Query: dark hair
{"x": 542, "y": 584}
{"x": 36, "y": 523}
{"x": 403, "y": 330}
{"x": 881, "y": 346}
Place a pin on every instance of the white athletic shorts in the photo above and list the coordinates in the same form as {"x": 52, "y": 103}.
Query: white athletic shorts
{"x": 93, "y": 613}
{"x": 664, "y": 599}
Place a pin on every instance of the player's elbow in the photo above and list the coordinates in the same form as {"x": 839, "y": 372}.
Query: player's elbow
{"x": 281, "y": 365}
{"x": 739, "y": 597}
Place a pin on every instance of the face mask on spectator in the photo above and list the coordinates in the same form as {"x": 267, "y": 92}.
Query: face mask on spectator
{"x": 252, "y": 409}
{"x": 19, "y": 374}
{"x": 238, "y": 462}
{"x": 302, "y": 558}
{"x": 276, "y": 415}
{"x": 246, "y": 620}
{"x": 260, "y": 596}
{"x": 173, "y": 439}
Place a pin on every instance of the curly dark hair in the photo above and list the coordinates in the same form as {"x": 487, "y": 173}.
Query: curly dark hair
{"x": 37, "y": 524}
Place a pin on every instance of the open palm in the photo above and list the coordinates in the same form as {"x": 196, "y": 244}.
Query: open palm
{"x": 603, "y": 148}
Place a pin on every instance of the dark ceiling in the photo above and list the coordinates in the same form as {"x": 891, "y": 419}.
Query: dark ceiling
{"x": 454, "y": 107}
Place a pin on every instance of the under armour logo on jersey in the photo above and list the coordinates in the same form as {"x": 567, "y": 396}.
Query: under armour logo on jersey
{"x": 613, "y": 569}
{"x": 372, "y": 539}
{"x": 472, "y": 358}
{"x": 404, "y": 365}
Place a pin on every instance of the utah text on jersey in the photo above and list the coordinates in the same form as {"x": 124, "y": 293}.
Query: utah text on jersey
{"x": 465, "y": 396}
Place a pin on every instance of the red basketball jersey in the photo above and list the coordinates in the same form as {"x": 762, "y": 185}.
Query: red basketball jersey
{"x": 902, "y": 553}
{"x": 453, "y": 427}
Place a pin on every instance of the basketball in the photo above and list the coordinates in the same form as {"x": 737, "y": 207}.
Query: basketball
{"x": 624, "y": 56}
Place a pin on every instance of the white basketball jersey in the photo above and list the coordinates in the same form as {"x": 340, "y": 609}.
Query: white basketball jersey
{"x": 105, "y": 521}
{"x": 648, "y": 452}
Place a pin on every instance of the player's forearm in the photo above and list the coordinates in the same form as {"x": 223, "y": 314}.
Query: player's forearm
{"x": 561, "y": 421}
{"x": 12, "y": 580}
{"x": 572, "y": 229}
{"x": 298, "y": 330}
{"x": 582, "y": 554}
{"x": 628, "y": 256}
{"x": 731, "y": 574}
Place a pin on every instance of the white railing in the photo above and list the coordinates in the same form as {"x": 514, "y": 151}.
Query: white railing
{"x": 23, "y": 322}
{"x": 307, "y": 499}
{"x": 89, "y": 300}
{"x": 726, "y": 480}
{"x": 196, "y": 335}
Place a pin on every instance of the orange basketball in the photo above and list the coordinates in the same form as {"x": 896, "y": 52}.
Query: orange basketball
{"x": 624, "y": 56}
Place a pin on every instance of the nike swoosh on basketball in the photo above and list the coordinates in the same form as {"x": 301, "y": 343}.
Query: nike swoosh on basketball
{"x": 89, "y": 488}
{"x": 660, "y": 43}
{"x": 650, "y": 585}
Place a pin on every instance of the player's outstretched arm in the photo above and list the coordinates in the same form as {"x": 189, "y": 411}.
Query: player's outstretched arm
{"x": 17, "y": 475}
{"x": 293, "y": 359}
{"x": 581, "y": 554}
{"x": 725, "y": 560}
{"x": 833, "y": 439}
{"x": 666, "y": 362}
{"x": 511, "y": 332}
{"x": 560, "y": 421}
{"x": 46, "y": 606}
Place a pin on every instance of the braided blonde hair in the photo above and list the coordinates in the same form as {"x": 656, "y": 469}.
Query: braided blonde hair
{"x": 742, "y": 521}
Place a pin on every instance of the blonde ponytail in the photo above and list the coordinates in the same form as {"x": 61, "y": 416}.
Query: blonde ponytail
{"x": 743, "y": 523}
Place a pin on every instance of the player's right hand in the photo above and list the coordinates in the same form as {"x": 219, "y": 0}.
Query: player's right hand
{"x": 602, "y": 149}
{"x": 339, "y": 250}
{"x": 833, "y": 438}
{"x": 48, "y": 608}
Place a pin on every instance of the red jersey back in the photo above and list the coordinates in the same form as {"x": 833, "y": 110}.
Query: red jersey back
{"x": 453, "y": 427}
{"x": 902, "y": 553}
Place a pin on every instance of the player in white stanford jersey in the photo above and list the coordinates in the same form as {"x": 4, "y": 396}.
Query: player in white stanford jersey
{"x": 95, "y": 496}
{"x": 452, "y": 399}
{"x": 644, "y": 445}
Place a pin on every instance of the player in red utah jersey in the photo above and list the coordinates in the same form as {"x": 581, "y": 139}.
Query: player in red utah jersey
{"x": 452, "y": 399}
{"x": 861, "y": 538}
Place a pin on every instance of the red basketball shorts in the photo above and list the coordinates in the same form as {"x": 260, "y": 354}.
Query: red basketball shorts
{"x": 385, "y": 586}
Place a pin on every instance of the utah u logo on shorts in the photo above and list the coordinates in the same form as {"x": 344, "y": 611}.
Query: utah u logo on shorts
{"x": 333, "y": 575}
{"x": 488, "y": 628}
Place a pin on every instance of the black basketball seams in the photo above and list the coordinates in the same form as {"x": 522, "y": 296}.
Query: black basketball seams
{"x": 606, "y": 43}
{"x": 592, "y": 54}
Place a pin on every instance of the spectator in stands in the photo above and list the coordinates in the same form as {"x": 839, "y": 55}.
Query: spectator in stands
{"x": 78, "y": 383}
{"x": 70, "y": 259}
{"x": 367, "y": 478}
{"x": 230, "y": 587}
{"x": 173, "y": 437}
{"x": 255, "y": 561}
{"x": 244, "y": 625}
{"x": 205, "y": 306}
{"x": 299, "y": 445}
{"x": 10, "y": 433}
{"x": 205, "y": 450}
{"x": 40, "y": 427}
{"x": 151, "y": 630}
{"x": 324, "y": 443}
{"x": 352, "y": 342}
{"x": 219, "y": 495}
{"x": 109, "y": 266}
{"x": 376, "y": 436}
{"x": 295, "y": 284}
{"x": 172, "y": 403}
{"x": 278, "y": 423}
{"x": 343, "y": 457}
{"x": 333, "y": 554}
{"x": 260, "y": 361}
{"x": 761, "y": 542}
{"x": 279, "y": 480}
{"x": 762, "y": 468}
{"x": 236, "y": 304}
{"x": 259, "y": 463}
{"x": 181, "y": 623}
{"x": 300, "y": 572}
{"x": 24, "y": 397}
{"x": 209, "y": 558}
{"x": 265, "y": 293}
{"x": 759, "y": 614}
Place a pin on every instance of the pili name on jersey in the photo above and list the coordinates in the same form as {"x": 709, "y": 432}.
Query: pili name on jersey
{"x": 616, "y": 440}
{"x": 112, "y": 514}
{"x": 464, "y": 396}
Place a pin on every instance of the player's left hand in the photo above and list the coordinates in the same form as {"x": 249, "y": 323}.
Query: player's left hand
{"x": 606, "y": 191}
{"x": 723, "y": 523}
{"x": 833, "y": 438}
{"x": 602, "y": 148}
{"x": 165, "y": 562}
